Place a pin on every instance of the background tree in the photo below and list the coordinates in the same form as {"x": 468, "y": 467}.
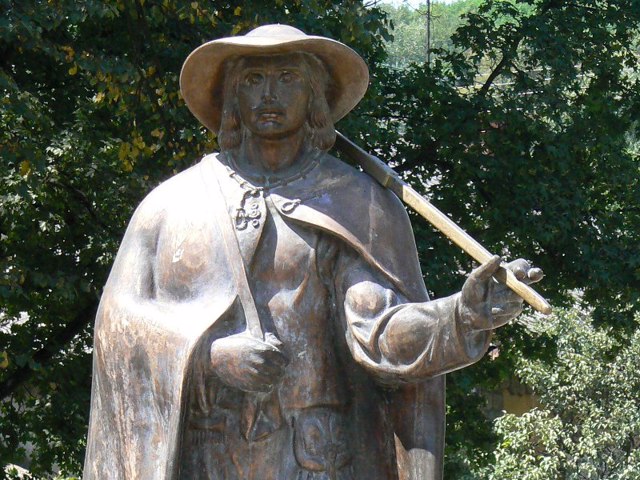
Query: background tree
{"x": 540, "y": 144}
{"x": 588, "y": 426}
{"x": 410, "y": 33}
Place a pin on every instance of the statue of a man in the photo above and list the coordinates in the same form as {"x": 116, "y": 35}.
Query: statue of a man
{"x": 266, "y": 316}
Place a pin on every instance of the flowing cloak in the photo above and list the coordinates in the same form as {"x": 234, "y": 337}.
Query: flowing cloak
{"x": 171, "y": 286}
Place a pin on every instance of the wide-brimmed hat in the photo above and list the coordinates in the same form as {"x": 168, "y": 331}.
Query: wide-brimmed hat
{"x": 201, "y": 79}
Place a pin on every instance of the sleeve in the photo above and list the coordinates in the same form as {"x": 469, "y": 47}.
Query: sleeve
{"x": 394, "y": 339}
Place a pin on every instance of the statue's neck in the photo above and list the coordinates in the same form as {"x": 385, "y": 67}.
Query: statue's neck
{"x": 272, "y": 157}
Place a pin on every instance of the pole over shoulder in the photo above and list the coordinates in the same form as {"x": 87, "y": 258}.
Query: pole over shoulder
{"x": 389, "y": 179}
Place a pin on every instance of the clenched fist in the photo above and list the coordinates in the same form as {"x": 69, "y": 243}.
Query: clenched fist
{"x": 244, "y": 362}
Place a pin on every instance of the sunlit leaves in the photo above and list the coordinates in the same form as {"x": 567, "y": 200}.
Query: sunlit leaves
{"x": 588, "y": 425}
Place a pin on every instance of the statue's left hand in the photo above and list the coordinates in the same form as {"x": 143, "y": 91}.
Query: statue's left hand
{"x": 247, "y": 363}
{"x": 485, "y": 302}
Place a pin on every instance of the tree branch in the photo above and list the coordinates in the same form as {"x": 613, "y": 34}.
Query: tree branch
{"x": 509, "y": 53}
{"x": 496, "y": 71}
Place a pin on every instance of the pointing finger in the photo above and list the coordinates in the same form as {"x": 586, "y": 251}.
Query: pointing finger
{"x": 486, "y": 270}
{"x": 271, "y": 339}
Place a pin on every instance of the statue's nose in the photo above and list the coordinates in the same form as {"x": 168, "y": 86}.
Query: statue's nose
{"x": 269, "y": 91}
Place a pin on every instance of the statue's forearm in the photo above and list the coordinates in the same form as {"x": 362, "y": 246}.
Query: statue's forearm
{"x": 432, "y": 337}
{"x": 398, "y": 340}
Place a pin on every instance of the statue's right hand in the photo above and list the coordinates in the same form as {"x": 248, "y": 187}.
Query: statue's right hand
{"x": 249, "y": 364}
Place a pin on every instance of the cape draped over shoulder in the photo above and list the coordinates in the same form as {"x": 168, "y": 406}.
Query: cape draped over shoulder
{"x": 163, "y": 298}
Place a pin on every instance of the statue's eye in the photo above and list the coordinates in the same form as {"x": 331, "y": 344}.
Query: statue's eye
{"x": 253, "y": 78}
{"x": 288, "y": 77}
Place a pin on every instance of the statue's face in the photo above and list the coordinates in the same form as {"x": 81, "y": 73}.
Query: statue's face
{"x": 273, "y": 95}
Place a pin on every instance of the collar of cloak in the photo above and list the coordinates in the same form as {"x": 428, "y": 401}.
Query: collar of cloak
{"x": 336, "y": 198}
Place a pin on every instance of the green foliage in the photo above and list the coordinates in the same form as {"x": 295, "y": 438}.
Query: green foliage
{"x": 589, "y": 424}
{"x": 539, "y": 145}
{"x": 532, "y": 157}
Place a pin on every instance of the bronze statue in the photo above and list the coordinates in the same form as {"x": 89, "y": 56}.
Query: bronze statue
{"x": 266, "y": 317}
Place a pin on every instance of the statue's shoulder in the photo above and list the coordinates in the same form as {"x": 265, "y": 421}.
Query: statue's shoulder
{"x": 175, "y": 195}
{"x": 343, "y": 201}
{"x": 347, "y": 180}
{"x": 334, "y": 167}
{"x": 182, "y": 187}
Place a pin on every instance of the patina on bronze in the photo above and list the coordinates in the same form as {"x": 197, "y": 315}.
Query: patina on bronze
{"x": 266, "y": 317}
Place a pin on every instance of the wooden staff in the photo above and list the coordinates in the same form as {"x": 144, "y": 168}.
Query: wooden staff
{"x": 388, "y": 178}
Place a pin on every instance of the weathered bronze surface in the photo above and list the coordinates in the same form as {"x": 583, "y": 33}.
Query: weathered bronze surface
{"x": 266, "y": 317}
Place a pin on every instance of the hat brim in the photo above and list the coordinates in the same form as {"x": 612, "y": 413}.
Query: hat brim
{"x": 201, "y": 79}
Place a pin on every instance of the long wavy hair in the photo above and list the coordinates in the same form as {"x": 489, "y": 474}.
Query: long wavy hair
{"x": 320, "y": 128}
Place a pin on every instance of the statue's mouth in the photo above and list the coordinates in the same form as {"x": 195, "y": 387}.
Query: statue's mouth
{"x": 270, "y": 111}
{"x": 270, "y": 115}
